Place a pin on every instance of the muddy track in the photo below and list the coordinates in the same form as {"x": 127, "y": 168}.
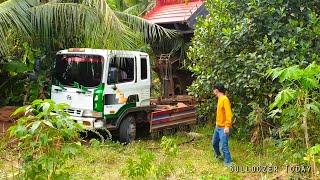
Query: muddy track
{"x": 5, "y": 118}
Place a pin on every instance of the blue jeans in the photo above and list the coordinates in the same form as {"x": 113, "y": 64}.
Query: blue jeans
{"x": 220, "y": 137}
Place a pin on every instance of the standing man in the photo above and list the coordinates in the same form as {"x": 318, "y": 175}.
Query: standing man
{"x": 223, "y": 125}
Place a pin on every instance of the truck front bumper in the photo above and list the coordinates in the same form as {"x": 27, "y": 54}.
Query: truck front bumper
{"x": 90, "y": 122}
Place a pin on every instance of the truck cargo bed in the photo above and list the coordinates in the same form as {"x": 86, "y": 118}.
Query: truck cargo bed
{"x": 166, "y": 116}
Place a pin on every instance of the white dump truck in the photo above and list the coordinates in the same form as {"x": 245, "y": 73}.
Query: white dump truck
{"x": 110, "y": 89}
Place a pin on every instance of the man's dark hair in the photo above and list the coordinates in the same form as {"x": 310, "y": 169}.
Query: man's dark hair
{"x": 220, "y": 87}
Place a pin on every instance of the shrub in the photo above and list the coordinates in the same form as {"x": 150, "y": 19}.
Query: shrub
{"x": 298, "y": 102}
{"x": 142, "y": 167}
{"x": 238, "y": 41}
{"x": 146, "y": 167}
{"x": 46, "y": 137}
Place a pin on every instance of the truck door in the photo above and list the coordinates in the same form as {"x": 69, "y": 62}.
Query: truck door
{"x": 144, "y": 80}
{"x": 121, "y": 91}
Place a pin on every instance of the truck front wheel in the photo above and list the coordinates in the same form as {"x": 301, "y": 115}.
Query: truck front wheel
{"x": 127, "y": 129}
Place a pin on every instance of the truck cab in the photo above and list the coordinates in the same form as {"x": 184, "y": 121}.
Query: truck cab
{"x": 102, "y": 86}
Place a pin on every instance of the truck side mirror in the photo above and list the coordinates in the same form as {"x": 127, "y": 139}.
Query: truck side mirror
{"x": 114, "y": 87}
{"x": 112, "y": 76}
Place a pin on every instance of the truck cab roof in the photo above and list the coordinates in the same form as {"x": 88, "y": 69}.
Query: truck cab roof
{"x": 99, "y": 51}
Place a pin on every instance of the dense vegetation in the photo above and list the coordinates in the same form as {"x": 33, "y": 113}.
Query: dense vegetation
{"x": 172, "y": 157}
{"x": 266, "y": 52}
{"x": 45, "y": 139}
{"x": 32, "y": 30}
{"x": 237, "y": 43}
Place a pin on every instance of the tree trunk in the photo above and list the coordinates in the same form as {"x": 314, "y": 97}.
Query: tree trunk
{"x": 305, "y": 128}
{"x": 306, "y": 135}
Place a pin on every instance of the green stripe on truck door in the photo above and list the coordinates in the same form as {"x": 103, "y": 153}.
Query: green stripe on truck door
{"x": 114, "y": 117}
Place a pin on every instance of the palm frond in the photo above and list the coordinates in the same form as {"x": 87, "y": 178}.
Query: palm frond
{"x": 118, "y": 5}
{"x": 117, "y": 33}
{"x": 51, "y": 17}
{"x": 140, "y": 8}
{"x": 132, "y": 2}
{"x": 150, "y": 31}
{"x": 14, "y": 14}
{"x": 91, "y": 24}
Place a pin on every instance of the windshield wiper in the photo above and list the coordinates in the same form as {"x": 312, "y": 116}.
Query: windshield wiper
{"x": 62, "y": 88}
{"x": 81, "y": 87}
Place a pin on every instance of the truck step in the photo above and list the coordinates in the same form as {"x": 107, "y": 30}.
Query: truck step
{"x": 111, "y": 127}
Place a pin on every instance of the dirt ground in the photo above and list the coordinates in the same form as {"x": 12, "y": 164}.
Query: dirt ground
{"x": 5, "y": 120}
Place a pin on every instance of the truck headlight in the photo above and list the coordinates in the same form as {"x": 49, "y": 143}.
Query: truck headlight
{"x": 89, "y": 113}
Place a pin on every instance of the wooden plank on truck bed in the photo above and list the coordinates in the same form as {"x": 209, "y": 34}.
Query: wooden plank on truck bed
{"x": 186, "y": 99}
{"x": 168, "y": 116}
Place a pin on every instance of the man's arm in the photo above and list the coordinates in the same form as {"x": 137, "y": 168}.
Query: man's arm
{"x": 227, "y": 108}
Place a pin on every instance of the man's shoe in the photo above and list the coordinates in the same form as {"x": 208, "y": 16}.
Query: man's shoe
{"x": 218, "y": 157}
{"x": 228, "y": 165}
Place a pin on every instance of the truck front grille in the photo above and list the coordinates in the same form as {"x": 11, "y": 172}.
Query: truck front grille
{"x": 74, "y": 112}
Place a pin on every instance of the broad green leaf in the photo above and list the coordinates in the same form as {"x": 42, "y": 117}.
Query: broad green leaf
{"x": 41, "y": 115}
{"x": 48, "y": 101}
{"x": 290, "y": 73}
{"x": 283, "y": 97}
{"x": 70, "y": 149}
{"x": 12, "y": 130}
{"x": 48, "y": 123}
{"x": 45, "y": 107}
{"x": 35, "y": 126}
{"x": 62, "y": 106}
{"x": 310, "y": 83}
{"x": 59, "y": 123}
{"x": 79, "y": 126}
{"x": 29, "y": 110}
{"x": 313, "y": 69}
{"x": 16, "y": 67}
{"x": 20, "y": 131}
{"x": 274, "y": 113}
{"x": 19, "y": 110}
{"x": 275, "y": 73}
{"x": 313, "y": 107}
{"x": 314, "y": 150}
{"x": 37, "y": 102}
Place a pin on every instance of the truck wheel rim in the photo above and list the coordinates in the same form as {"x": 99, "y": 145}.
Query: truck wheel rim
{"x": 132, "y": 131}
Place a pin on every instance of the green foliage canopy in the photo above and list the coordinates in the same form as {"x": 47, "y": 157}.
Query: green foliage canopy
{"x": 240, "y": 40}
{"x": 299, "y": 105}
{"x": 85, "y": 23}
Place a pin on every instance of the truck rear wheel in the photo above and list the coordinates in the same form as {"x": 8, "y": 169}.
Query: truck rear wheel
{"x": 127, "y": 130}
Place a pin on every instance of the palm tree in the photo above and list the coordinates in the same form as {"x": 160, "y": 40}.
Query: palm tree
{"x": 85, "y": 23}
{"x": 14, "y": 16}
{"x": 139, "y": 7}
{"x": 134, "y": 7}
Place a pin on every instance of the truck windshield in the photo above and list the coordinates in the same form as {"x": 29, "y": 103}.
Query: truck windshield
{"x": 83, "y": 69}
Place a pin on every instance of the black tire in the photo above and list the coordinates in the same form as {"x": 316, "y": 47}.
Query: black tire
{"x": 127, "y": 130}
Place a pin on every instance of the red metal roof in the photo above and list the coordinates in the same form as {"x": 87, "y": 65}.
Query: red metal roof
{"x": 168, "y": 11}
{"x": 170, "y": 2}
